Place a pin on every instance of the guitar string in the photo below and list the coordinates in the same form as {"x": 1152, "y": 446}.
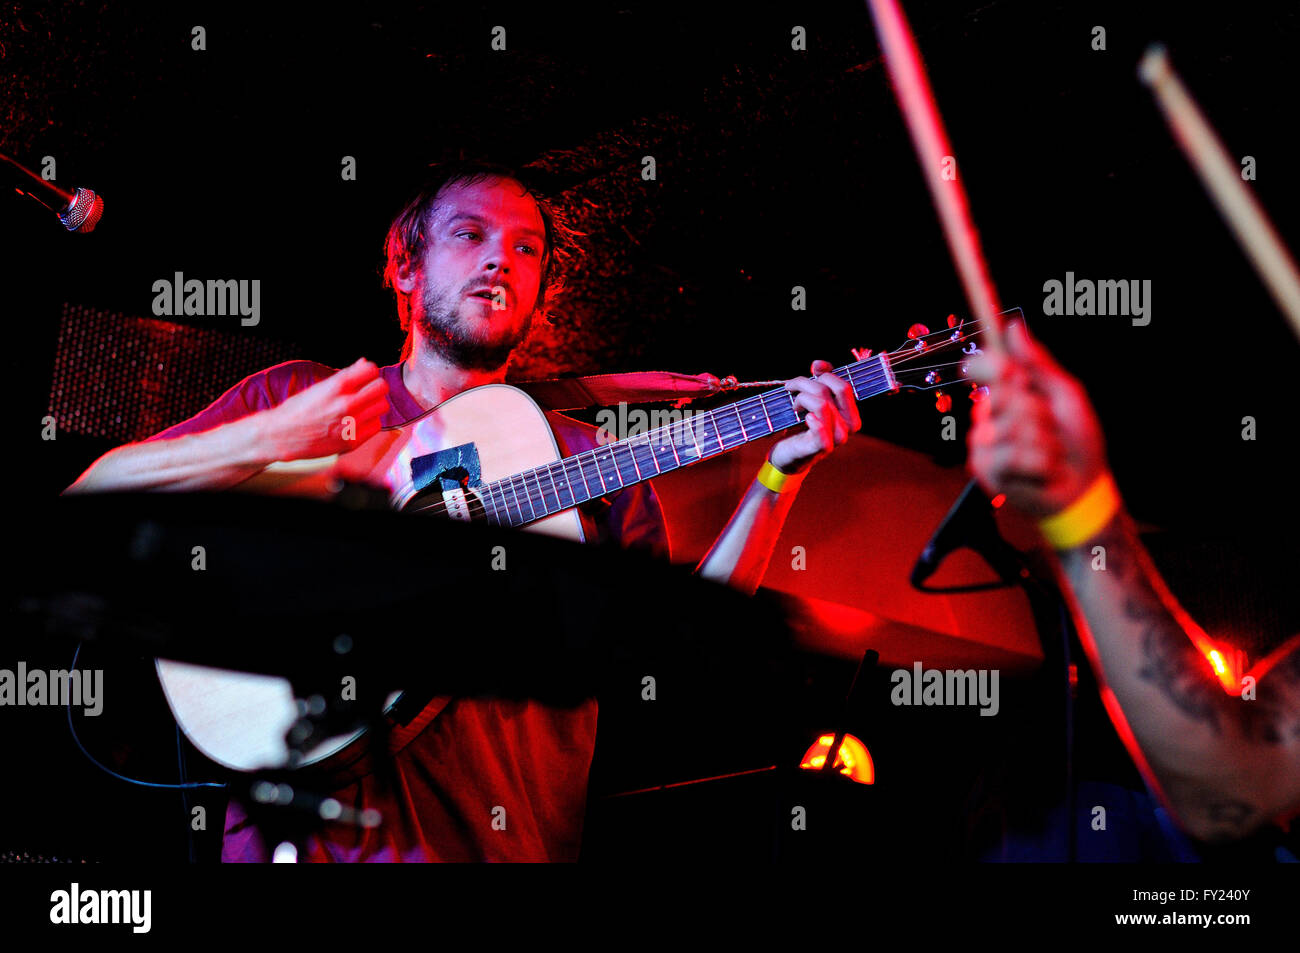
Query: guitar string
{"x": 866, "y": 369}
{"x": 861, "y": 373}
{"x": 536, "y": 497}
{"x": 631, "y": 445}
{"x": 904, "y": 355}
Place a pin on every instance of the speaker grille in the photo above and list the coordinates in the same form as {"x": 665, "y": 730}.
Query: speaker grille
{"x": 125, "y": 378}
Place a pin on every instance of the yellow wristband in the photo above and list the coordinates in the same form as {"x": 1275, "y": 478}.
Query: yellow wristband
{"x": 1083, "y": 518}
{"x": 775, "y": 480}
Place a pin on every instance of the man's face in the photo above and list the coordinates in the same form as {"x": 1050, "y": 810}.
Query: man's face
{"x": 480, "y": 277}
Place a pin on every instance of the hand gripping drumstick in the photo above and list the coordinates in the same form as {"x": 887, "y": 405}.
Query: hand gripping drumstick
{"x": 1222, "y": 179}
{"x": 916, "y": 100}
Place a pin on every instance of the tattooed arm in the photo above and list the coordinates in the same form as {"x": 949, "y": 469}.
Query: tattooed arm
{"x": 1225, "y": 764}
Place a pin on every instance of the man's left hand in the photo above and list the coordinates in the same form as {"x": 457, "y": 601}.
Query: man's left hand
{"x": 831, "y": 415}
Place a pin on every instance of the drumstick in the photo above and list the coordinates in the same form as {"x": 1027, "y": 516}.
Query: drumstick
{"x": 916, "y": 100}
{"x": 1222, "y": 179}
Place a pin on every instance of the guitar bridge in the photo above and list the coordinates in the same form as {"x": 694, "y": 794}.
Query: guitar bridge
{"x": 457, "y": 504}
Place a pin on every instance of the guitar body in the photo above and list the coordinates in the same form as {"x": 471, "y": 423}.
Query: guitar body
{"x": 239, "y": 719}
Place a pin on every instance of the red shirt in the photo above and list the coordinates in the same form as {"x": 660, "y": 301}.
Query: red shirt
{"x": 474, "y": 779}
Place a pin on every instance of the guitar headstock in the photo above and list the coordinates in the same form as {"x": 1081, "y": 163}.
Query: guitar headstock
{"x": 939, "y": 360}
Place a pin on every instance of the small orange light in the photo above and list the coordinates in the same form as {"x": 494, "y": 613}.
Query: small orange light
{"x": 852, "y": 760}
{"x": 998, "y": 500}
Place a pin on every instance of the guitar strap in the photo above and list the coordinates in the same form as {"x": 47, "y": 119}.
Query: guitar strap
{"x": 637, "y": 387}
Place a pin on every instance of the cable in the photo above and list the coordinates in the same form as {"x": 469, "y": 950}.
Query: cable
{"x": 121, "y": 777}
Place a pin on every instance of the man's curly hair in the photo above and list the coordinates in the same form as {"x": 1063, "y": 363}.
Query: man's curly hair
{"x": 406, "y": 236}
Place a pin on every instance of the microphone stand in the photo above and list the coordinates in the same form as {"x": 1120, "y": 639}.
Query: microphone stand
{"x": 969, "y": 524}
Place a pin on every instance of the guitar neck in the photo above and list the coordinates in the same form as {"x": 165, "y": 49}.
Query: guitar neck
{"x": 537, "y": 493}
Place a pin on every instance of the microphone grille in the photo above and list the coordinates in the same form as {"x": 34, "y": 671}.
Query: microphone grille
{"x": 83, "y": 213}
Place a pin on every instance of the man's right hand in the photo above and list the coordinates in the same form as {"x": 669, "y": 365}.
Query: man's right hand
{"x": 333, "y": 416}
{"x": 1035, "y": 436}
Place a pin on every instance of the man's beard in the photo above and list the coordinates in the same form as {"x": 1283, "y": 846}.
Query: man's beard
{"x": 452, "y": 337}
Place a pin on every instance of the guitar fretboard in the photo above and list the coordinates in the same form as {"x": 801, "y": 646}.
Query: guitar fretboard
{"x": 540, "y": 492}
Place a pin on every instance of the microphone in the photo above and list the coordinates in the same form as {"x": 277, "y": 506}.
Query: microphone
{"x": 79, "y": 211}
{"x": 968, "y": 523}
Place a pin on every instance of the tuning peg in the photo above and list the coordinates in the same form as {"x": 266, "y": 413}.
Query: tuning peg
{"x": 942, "y": 402}
{"x": 978, "y": 392}
{"x": 955, "y": 326}
{"x": 917, "y": 333}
